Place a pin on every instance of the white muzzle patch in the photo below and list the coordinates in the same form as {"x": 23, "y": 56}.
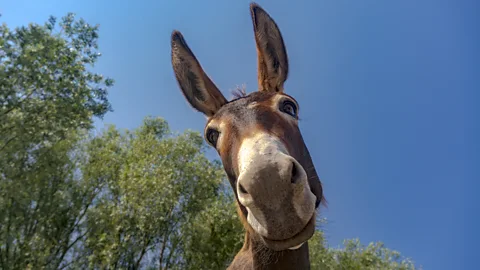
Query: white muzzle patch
{"x": 264, "y": 147}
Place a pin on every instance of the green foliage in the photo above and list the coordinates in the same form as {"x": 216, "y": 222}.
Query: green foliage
{"x": 46, "y": 89}
{"x": 355, "y": 256}
{"x": 41, "y": 206}
{"x": 214, "y": 236}
{"x": 154, "y": 186}
{"x": 46, "y": 94}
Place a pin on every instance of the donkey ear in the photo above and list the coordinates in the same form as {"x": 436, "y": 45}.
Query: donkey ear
{"x": 272, "y": 55}
{"x": 196, "y": 86}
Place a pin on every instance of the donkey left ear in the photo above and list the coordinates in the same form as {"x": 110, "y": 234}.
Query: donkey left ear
{"x": 272, "y": 55}
{"x": 196, "y": 86}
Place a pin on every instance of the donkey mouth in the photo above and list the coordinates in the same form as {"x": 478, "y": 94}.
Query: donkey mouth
{"x": 295, "y": 241}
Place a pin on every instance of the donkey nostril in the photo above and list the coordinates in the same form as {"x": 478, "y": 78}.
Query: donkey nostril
{"x": 242, "y": 189}
{"x": 294, "y": 173}
{"x": 317, "y": 203}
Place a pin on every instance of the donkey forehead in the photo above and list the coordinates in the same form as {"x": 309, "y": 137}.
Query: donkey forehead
{"x": 259, "y": 109}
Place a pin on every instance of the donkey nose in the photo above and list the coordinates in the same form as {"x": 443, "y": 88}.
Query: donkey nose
{"x": 275, "y": 177}
{"x": 294, "y": 177}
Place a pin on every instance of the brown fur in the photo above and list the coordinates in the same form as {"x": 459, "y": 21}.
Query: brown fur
{"x": 244, "y": 117}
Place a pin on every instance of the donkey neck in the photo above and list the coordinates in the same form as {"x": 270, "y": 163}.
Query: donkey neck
{"x": 254, "y": 255}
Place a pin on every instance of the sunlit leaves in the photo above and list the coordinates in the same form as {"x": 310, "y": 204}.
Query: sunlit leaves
{"x": 46, "y": 87}
{"x": 43, "y": 203}
{"x": 48, "y": 96}
{"x": 354, "y": 255}
{"x": 214, "y": 236}
{"x": 155, "y": 184}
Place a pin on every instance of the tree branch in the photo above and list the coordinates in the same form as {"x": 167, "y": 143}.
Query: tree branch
{"x": 72, "y": 229}
{"x": 18, "y": 104}
{"x": 8, "y": 141}
{"x": 69, "y": 247}
{"x": 144, "y": 250}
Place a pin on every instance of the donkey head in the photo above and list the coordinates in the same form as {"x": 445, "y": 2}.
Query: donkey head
{"x": 258, "y": 139}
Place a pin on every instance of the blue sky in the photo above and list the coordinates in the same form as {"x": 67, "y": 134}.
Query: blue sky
{"x": 387, "y": 90}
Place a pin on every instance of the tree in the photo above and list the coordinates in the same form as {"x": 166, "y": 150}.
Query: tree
{"x": 47, "y": 96}
{"x": 46, "y": 89}
{"x": 154, "y": 187}
{"x": 355, "y": 256}
{"x": 215, "y": 236}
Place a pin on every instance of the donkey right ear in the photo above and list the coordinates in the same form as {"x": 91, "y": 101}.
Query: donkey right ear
{"x": 271, "y": 52}
{"x": 196, "y": 86}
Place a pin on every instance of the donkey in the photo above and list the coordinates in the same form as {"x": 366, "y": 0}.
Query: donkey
{"x": 257, "y": 136}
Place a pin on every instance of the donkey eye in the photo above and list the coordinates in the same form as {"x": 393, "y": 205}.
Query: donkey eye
{"x": 212, "y": 136}
{"x": 289, "y": 107}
